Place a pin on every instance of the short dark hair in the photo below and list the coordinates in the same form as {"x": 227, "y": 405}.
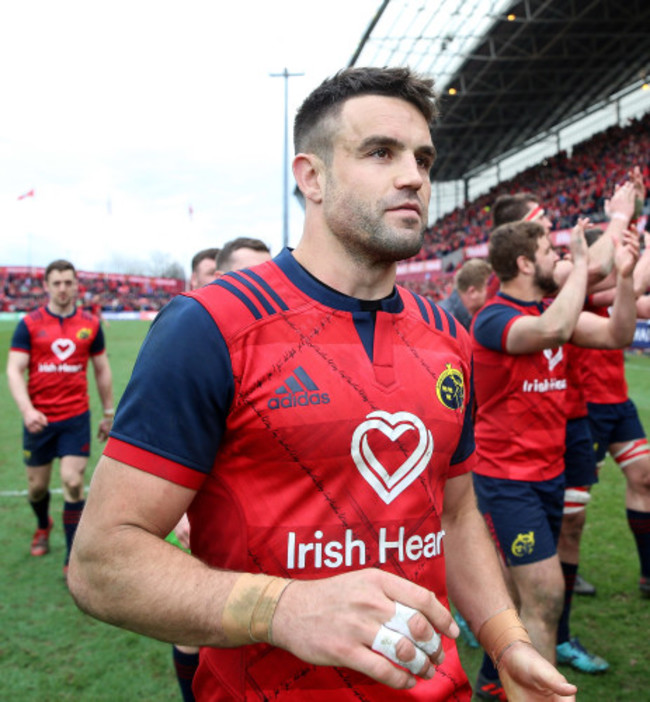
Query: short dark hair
{"x": 511, "y": 208}
{"x": 242, "y": 242}
{"x": 313, "y": 126}
{"x": 508, "y": 242}
{"x": 473, "y": 272}
{"x": 202, "y": 255}
{"x": 60, "y": 265}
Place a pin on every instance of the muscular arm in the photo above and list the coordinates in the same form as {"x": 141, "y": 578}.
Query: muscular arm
{"x": 617, "y": 330}
{"x": 472, "y": 561}
{"x": 104, "y": 380}
{"x": 473, "y": 567}
{"x": 122, "y": 571}
{"x": 601, "y": 255}
{"x": 17, "y": 363}
{"x": 528, "y": 334}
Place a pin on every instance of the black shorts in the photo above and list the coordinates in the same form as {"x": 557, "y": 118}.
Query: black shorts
{"x": 69, "y": 437}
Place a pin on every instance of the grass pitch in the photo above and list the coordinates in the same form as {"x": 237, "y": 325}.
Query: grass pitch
{"x": 49, "y": 650}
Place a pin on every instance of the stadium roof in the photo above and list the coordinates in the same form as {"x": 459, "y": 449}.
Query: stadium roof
{"x": 519, "y": 69}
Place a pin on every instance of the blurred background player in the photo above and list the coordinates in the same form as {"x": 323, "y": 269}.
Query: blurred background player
{"x": 53, "y": 344}
{"x": 616, "y": 427}
{"x": 204, "y": 267}
{"x": 241, "y": 252}
{"x": 470, "y": 290}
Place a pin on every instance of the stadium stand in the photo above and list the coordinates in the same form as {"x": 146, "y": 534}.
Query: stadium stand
{"x": 568, "y": 184}
{"x": 21, "y": 290}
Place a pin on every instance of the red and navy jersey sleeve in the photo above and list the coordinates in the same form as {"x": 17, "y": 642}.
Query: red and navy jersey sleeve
{"x": 99, "y": 345}
{"x": 173, "y": 411}
{"x": 21, "y": 340}
{"x": 492, "y": 324}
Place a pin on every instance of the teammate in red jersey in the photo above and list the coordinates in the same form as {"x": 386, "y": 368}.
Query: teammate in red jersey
{"x": 520, "y": 386}
{"x": 616, "y": 427}
{"x": 313, "y": 420}
{"x": 53, "y": 344}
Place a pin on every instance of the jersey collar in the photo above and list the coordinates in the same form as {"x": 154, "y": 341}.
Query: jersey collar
{"x": 322, "y": 293}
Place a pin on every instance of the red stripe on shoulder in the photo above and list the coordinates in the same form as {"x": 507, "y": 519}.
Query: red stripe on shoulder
{"x": 151, "y": 463}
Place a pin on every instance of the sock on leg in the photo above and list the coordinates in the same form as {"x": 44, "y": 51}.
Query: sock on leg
{"x": 71, "y": 516}
{"x": 640, "y": 525}
{"x": 42, "y": 511}
{"x": 185, "y": 665}
{"x": 569, "y": 570}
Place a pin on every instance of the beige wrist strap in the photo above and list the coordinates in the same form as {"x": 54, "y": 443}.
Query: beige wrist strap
{"x": 248, "y": 613}
{"x": 500, "y": 631}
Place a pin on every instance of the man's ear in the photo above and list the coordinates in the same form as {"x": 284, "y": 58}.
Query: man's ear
{"x": 525, "y": 265}
{"x": 308, "y": 170}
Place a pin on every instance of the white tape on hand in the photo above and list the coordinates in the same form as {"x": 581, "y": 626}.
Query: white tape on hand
{"x": 385, "y": 643}
{"x": 400, "y": 623}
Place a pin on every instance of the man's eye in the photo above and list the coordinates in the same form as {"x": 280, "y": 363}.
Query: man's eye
{"x": 380, "y": 153}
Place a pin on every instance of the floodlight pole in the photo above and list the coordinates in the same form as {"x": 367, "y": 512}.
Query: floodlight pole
{"x": 285, "y": 210}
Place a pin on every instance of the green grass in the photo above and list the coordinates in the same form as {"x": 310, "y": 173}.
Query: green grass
{"x": 49, "y": 650}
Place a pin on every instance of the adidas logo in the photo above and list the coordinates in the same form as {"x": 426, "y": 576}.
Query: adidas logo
{"x": 299, "y": 390}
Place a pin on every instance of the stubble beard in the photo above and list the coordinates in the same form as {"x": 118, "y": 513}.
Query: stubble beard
{"x": 546, "y": 283}
{"x": 365, "y": 233}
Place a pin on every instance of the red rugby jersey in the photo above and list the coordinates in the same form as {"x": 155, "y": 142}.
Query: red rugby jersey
{"x": 59, "y": 349}
{"x": 521, "y": 417}
{"x": 603, "y": 371}
{"x": 342, "y": 428}
{"x": 575, "y": 401}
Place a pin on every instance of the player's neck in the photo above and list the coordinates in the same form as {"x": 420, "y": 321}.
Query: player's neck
{"x": 521, "y": 289}
{"x": 343, "y": 273}
{"x": 61, "y": 311}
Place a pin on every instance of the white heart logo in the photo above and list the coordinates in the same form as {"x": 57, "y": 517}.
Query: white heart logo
{"x": 63, "y": 348}
{"x": 389, "y": 486}
{"x": 553, "y": 356}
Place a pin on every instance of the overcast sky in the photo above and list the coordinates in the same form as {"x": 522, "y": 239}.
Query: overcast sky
{"x": 123, "y": 115}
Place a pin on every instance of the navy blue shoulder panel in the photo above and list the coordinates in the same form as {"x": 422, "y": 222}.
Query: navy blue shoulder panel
{"x": 451, "y": 321}
{"x": 265, "y": 286}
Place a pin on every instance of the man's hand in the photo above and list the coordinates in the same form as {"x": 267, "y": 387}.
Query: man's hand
{"x": 182, "y": 531}
{"x": 578, "y": 244}
{"x": 528, "y": 677}
{"x": 104, "y": 428}
{"x": 636, "y": 178}
{"x": 34, "y": 420}
{"x": 344, "y": 621}
{"x": 621, "y": 204}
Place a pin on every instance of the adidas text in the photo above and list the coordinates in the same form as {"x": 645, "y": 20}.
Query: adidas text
{"x": 299, "y": 399}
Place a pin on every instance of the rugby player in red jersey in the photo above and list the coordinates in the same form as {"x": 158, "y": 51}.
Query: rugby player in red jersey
{"x": 52, "y": 345}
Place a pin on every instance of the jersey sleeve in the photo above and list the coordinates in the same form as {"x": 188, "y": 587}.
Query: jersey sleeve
{"x": 99, "y": 343}
{"x": 172, "y": 415}
{"x": 21, "y": 340}
{"x": 464, "y": 456}
{"x": 491, "y": 326}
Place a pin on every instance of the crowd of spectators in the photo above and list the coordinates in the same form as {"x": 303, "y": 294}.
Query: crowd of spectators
{"x": 568, "y": 185}
{"x": 21, "y": 290}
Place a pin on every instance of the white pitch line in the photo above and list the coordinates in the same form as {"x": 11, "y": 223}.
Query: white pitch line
{"x": 23, "y": 493}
